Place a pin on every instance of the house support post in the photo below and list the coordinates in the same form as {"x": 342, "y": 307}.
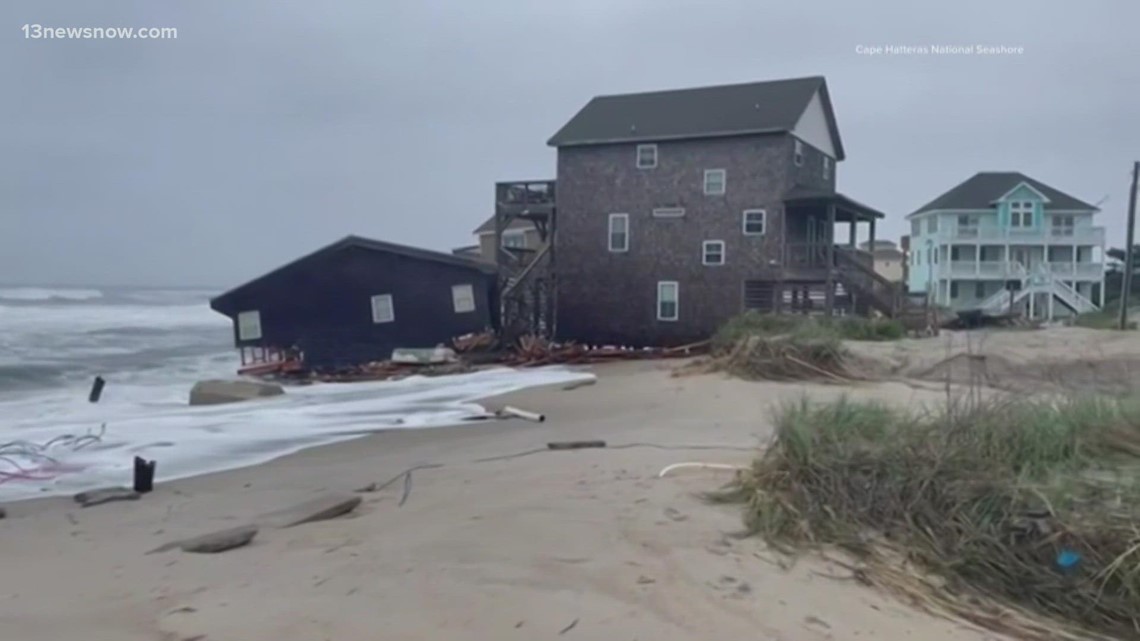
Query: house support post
{"x": 830, "y": 235}
{"x": 851, "y": 233}
{"x": 871, "y": 237}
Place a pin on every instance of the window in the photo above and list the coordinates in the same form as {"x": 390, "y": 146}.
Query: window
{"x": 619, "y": 232}
{"x": 1021, "y": 214}
{"x": 955, "y": 253}
{"x": 714, "y": 182}
{"x": 382, "y": 309}
{"x": 916, "y": 228}
{"x": 826, "y": 168}
{"x": 798, "y": 155}
{"x": 932, "y": 224}
{"x": 669, "y": 212}
{"x": 667, "y": 297}
{"x": 249, "y": 325}
{"x": 463, "y": 298}
{"x": 979, "y": 289}
{"x": 712, "y": 252}
{"x": 646, "y": 156}
{"x": 514, "y": 239}
{"x": 953, "y": 289}
{"x": 755, "y": 222}
{"x": 1063, "y": 225}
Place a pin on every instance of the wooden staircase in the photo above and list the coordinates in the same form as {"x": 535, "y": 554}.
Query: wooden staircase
{"x": 881, "y": 294}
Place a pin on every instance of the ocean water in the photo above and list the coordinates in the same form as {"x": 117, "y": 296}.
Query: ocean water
{"x": 151, "y": 346}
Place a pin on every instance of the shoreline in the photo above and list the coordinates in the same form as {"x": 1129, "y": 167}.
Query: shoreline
{"x": 518, "y": 546}
{"x": 213, "y": 439}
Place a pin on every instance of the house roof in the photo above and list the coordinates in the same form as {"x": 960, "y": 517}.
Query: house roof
{"x": 222, "y": 301}
{"x": 800, "y": 195}
{"x": 489, "y": 225}
{"x": 983, "y": 188}
{"x": 880, "y": 243}
{"x": 702, "y": 112}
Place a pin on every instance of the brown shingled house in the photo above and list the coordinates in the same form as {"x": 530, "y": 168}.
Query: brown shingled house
{"x": 673, "y": 211}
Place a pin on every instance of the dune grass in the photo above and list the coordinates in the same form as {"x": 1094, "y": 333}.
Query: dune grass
{"x": 814, "y": 328}
{"x": 994, "y": 497}
{"x": 786, "y": 347}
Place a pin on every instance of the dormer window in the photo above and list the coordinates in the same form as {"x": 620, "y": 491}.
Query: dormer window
{"x": 798, "y": 157}
{"x": 1021, "y": 214}
{"x": 646, "y": 156}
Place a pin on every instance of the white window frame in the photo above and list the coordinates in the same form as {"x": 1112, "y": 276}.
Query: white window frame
{"x": 669, "y": 212}
{"x": 610, "y": 233}
{"x": 1022, "y": 212}
{"x": 723, "y": 182}
{"x": 637, "y": 160}
{"x": 379, "y": 318}
{"x": 661, "y": 285}
{"x": 798, "y": 153}
{"x": 826, "y": 168}
{"x": 932, "y": 224}
{"x": 463, "y": 298}
{"x": 1067, "y": 229}
{"x": 249, "y": 325}
{"x": 763, "y": 222}
{"x": 514, "y": 234}
{"x": 705, "y": 245}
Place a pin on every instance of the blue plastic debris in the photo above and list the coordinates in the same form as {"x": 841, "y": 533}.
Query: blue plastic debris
{"x": 1068, "y": 560}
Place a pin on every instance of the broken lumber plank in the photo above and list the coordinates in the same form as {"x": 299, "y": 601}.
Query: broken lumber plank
{"x": 523, "y": 414}
{"x": 574, "y": 445}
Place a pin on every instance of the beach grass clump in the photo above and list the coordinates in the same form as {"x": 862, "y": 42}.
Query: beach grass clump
{"x": 854, "y": 328}
{"x": 1033, "y": 504}
{"x": 785, "y": 347}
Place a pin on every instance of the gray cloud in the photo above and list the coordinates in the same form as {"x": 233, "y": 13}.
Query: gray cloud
{"x": 269, "y": 128}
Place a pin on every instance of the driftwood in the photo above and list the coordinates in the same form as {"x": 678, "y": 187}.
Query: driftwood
{"x": 106, "y": 495}
{"x": 213, "y": 542}
{"x": 321, "y": 508}
{"x": 574, "y": 445}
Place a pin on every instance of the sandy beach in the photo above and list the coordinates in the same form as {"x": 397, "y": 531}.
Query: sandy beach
{"x": 586, "y": 544}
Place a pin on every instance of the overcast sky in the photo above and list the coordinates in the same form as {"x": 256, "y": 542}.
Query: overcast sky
{"x": 270, "y": 128}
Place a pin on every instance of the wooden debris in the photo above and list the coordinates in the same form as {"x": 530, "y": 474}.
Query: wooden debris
{"x": 321, "y": 508}
{"x": 473, "y": 351}
{"x": 220, "y": 541}
{"x": 106, "y": 495}
{"x": 213, "y": 542}
{"x": 574, "y": 445}
{"x": 514, "y": 412}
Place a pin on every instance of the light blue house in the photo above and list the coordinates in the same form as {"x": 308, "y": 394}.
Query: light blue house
{"x": 1003, "y": 242}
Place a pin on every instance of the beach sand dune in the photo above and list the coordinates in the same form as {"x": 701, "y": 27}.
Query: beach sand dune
{"x": 585, "y": 544}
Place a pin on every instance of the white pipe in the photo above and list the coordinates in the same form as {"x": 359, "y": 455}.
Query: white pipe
{"x": 523, "y": 414}
{"x": 711, "y": 466}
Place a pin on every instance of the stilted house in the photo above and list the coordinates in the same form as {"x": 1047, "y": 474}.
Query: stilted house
{"x": 1004, "y": 243}
{"x": 677, "y": 210}
{"x": 355, "y": 301}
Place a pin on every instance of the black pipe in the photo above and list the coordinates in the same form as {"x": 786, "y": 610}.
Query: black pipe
{"x": 144, "y": 475}
{"x": 96, "y": 389}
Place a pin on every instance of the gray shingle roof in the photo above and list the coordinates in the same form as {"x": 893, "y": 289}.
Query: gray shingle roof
{"x": 724, "y": 110}
{"x": 983, "y": 188}
{"x": 516, "y": 223}
{"x": 221, "y": 302}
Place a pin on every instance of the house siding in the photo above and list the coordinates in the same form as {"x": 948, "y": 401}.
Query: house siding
{"x": 323, "y": 305}
{"x": 609, "y": 297}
